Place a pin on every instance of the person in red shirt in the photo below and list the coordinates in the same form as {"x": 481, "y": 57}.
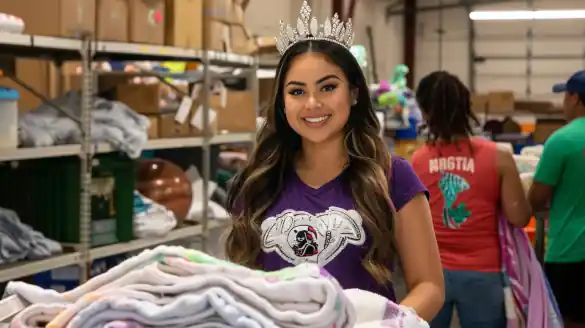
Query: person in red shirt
{"x": 470, "y": 182}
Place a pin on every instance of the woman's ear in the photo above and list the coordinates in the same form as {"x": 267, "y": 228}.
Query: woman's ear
{"x": 354, "y": 96}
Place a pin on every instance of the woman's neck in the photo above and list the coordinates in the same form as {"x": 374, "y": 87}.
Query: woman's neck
{"x": 455, "y": 138}
{"x": 328, "y": 156}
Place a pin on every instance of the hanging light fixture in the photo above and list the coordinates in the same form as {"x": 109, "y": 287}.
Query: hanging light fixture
{"x": 527, "y": 14}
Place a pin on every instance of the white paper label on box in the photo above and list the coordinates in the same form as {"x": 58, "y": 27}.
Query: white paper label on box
{"x": 196, "y": 91}
{"x": 223, "y": 96}
{"x": 184, "y": 110}
{"x": 197, "y": 120}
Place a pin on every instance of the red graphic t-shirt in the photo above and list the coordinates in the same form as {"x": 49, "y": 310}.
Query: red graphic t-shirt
{"x": 464, "y": 184}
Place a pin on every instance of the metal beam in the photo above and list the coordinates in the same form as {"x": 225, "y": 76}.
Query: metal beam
{"x": 392, "y": 7}
{"x": 409, "y": 34}
{"x": 394, "y": 12}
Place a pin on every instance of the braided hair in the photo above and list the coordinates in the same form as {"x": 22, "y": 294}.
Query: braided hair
{"x": 446, "y": 103}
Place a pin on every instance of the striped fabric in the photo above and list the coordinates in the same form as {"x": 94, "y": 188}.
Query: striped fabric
{"x": 529, "y": 300}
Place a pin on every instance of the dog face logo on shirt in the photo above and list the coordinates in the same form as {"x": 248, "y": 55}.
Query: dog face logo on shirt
{"x": 304, "y": 241}
{"x": 300, "y": 237}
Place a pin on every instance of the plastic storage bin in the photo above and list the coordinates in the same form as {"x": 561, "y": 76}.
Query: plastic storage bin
{"x": 48, "y": 197}
{"x": 8, "y": 118}
{"x": 409, "y": 133}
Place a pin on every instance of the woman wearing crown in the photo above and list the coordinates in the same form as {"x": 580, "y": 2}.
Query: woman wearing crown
{"x": 321, "y": 187}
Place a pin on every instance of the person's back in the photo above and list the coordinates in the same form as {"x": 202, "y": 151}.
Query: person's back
{"x": 566, "y": 231}
{"x": 464, "y": 184}
{"x": 470, "y": 182}
{"x": 559, "y": 180}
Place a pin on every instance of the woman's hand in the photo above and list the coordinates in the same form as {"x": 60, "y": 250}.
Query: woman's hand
{"x": 419, "y": 256}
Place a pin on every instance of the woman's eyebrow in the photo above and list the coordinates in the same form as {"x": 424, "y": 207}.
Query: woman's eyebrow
{"x": 321, "y": 80}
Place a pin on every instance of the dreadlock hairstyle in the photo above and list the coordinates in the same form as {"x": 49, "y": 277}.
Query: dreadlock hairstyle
{"x": 446, "y": 104}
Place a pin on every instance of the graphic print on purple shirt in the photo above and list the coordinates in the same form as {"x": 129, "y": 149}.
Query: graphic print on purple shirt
{"x": 321, "y": 226}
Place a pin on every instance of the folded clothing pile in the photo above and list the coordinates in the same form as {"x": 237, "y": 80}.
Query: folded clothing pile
{"x": 375, "y": 311}
{"x": 112, "y": 122}
{"x": 174, "y": 287}
{"x": 151, "y": 219}
{"x": 177, "y": 287}
{"x": 19, "y": 241}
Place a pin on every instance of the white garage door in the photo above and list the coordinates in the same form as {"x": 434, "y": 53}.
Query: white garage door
{"x": 527, "y": 57}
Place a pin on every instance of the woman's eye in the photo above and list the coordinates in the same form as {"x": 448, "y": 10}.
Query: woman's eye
{"x": 295, "y": 92}
{"x": 329, "y": 87}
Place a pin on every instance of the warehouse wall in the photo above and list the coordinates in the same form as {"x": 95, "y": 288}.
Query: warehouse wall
{"x": 557, "y": 47}
{"x": 262, "y": 17}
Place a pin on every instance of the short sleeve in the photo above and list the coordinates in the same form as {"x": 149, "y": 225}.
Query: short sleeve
{"x": 404, "y": 183}
{"x": 552, "y": 160}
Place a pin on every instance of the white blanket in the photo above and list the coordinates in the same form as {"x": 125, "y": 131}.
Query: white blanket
{"x": 175, "y": 287}
{"x": 111, "y": 122}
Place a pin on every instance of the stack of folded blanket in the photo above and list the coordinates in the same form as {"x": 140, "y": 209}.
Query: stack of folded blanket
{"x": 175, "y": 287}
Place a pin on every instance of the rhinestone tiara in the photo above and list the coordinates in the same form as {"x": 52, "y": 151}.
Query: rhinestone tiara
{"x": 308, "y": 28}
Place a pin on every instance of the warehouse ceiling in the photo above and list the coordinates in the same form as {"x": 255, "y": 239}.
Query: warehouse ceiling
{"x": 396, "y": 7}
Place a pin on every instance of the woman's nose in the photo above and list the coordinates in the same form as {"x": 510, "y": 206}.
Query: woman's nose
{"x": 313, "y": 103}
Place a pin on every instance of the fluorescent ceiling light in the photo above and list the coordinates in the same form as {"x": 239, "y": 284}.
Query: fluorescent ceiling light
{"x": 527, "y": 14}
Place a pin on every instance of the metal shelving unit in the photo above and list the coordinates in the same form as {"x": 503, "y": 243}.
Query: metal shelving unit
{"x": 87, "y": 50}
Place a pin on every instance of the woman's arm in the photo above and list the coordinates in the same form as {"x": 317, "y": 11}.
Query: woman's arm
{"x": 513, "y": 196}
{"x": 415, "y": 239}
{"x": 419, "y": 256}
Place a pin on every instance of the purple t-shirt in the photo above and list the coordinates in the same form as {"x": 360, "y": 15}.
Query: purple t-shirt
{"x": 321, "y": 226}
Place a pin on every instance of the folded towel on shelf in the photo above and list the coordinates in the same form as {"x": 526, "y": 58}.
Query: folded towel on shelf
{"x": 19, "y": 241}
{"x": 112, "y": 122}
{"x": 151, "y": 219}
{"x": 165, "y": 286}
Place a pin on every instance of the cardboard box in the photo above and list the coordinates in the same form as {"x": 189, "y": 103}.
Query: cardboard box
{"x": 142, "y": 98}
{"x": 105, "y": 83}
{"x": 169, "y": 128}
{"x": 147, "y": 21}
{"x": 64, "y": 18}
{"x": 534, "y": 106}
{"x": 239, "y": 114}
{"x": 266, "y": 45}
{"x": 220, "y": 10}
{"x": 242, "y": 41}
{"x": 184, "y": 23}
{"x": 217, "y": 36}
{"x": 153, "y": 129}
{"x": 265, "y": 91}
{"x": 112, "y": 20}
{"x": 479, "y": 103}
{"x": 545, "y": 127}
{"x": 39, "y": 75}
{"x": 500, "y": 102}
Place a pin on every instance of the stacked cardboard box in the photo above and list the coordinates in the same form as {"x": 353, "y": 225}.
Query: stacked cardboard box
{"x": 173, "y": 22}
{"x": 224, "y": 22}
{"x": 495, "y": 102}
{"x": 184, "y": 23}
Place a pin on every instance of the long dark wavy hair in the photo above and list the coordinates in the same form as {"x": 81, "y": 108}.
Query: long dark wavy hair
{"x": 446, "y": 103}
{"x": 260, "y": 183}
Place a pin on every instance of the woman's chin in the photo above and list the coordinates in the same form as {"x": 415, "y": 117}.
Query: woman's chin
{"x": 319, "y": 137}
